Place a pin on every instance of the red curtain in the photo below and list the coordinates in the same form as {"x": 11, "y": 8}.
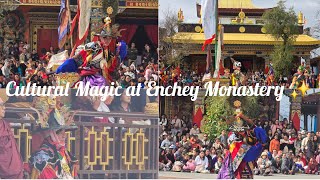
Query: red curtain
{"x": 128, "y": 32}
{"x": 152, "y": 31}
{"x": 47, "y": 38}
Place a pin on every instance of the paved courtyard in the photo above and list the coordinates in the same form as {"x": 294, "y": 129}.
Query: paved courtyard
{"x": 179, "y": 175}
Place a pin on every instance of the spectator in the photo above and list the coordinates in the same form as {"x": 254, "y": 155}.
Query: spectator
{"x": 312, "y": 167}
{"x": 217, "y": 145}
{"x": 299, "y": 165}
{"x": 208, "y": 155}
{"x": 305, "y": 141}
{"x": 146, "y": 55}
{"x": 184, "y": 141}
{"x": 275, "y": 126}
{"x": 175, "y": 131}
{"x": 284, "y": 144}
{"x": 6, "y": 69}
{"x": 170, "y": 153}
{"x": 164, "y": 163}
{"x": 224, "y": 138}
{"x": 195, "y": 130}
{"x": 164, "y": 121}
{"x": 274, "y": 144}
{"x": 24, "y": 56}
{"x": 3, "y": 82}
{"x": 167, "y": 142}
{"x": 34, "y": 55}
{"x": 178, "y": 154}
{"x": 176, "y": 122}
{"x": 264, "y": 165}
{"x": 297, "y": 144}
{"x": 132, "y": 53}
{"x": 285, "y": 164}
{"x": 274, "y": 154}
{"x": 178, "y": 137}
{"x": 201, "y": 163}
{"x": 19, "y": 82}
{"x": 190, "y": 165}
{"x": 214, "y": 158}
{"x": 318, "y": 155}
{"x": 276, "y": 165}
{"x": 206, "y": 143}
{"x": 310, "y": 148}
{"x": 218, "y": 165}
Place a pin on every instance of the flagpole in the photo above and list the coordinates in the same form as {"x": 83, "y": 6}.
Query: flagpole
{"x": 71, "y": 37}
{"x": 216, "y": 38}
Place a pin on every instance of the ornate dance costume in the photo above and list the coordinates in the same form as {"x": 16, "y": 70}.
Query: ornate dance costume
{"x": 52, "y": 160}
{"x": 300, "y": 77}
{"x": 245, "y": 146}
{"x": 95, "y": 62}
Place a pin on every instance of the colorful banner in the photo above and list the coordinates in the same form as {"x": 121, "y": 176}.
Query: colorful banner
{"x": 142, "y": 4}
{"x": 64, "y": 25}
{"x": 209, "y": 20}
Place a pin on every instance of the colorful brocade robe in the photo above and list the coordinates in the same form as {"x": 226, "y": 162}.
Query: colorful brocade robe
{"x": 238, "y": 163}
{"x": 50, "y": 163}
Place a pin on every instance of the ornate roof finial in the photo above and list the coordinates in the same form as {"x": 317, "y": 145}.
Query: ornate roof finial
{"x": 300, "y": 18}
{"x": 180, "y": 16}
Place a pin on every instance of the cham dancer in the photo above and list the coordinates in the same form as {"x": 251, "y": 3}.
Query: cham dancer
{"x": 52, "y": 160}
{"x": 95, "y": 62}
{"x": 246, "y": 143}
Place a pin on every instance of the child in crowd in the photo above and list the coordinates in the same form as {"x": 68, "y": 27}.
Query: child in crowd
{"x": 190, "y": 164}
{"x": 264, "y": 165}
{"x": 218, "y": 165}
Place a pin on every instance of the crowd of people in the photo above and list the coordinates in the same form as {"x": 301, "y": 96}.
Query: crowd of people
{"x": 21, "y": 64}
{"x": 185, "y": 77}
{"x": 186, "y": 149}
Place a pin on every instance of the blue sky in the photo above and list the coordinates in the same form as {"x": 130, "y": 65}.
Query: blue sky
{"x": 309, "y": 8}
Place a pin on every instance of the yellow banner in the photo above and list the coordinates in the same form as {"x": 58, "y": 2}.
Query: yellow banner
{"x": 142, "y": 3}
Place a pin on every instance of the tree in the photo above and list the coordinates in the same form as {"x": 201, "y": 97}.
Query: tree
{"x": 221, "y": 107}
{"x": 174, "y": 52}
{"x": 282, "y": 25}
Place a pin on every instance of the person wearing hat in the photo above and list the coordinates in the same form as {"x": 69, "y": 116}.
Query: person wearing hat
{"x": 95, "y": 62}
{"x": 264, "y": 165}
{"x": 11, "y": 165}
{"x": 237, "y": 75}
{"x": 245, "y": 148}
{"x": 298, "y": 78}
{"x": 52, "y": 160}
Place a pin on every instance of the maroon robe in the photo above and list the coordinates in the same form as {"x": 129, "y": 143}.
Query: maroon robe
{"x": 11, "y": 165}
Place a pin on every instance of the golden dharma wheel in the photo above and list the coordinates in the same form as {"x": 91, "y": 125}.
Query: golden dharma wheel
{"x": 198, "y": 29}
{"x": 237, "y": 103}
{"x": 242, "y": 15}
{"x": 110, "y": 10}
{"x": 242, "y": 29}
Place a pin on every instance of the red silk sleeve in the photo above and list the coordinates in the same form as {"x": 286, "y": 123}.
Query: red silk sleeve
{"x": 113, "y": 65}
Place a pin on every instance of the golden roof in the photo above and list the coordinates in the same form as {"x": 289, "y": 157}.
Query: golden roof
{"x": 237, "y": 4}
{"x": 242, "y": 38}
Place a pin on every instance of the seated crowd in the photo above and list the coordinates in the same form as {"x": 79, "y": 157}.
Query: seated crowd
{"x": 18, "y": 64}
{"x": 171, "y": 74}
{"x": 186, "y": 149}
